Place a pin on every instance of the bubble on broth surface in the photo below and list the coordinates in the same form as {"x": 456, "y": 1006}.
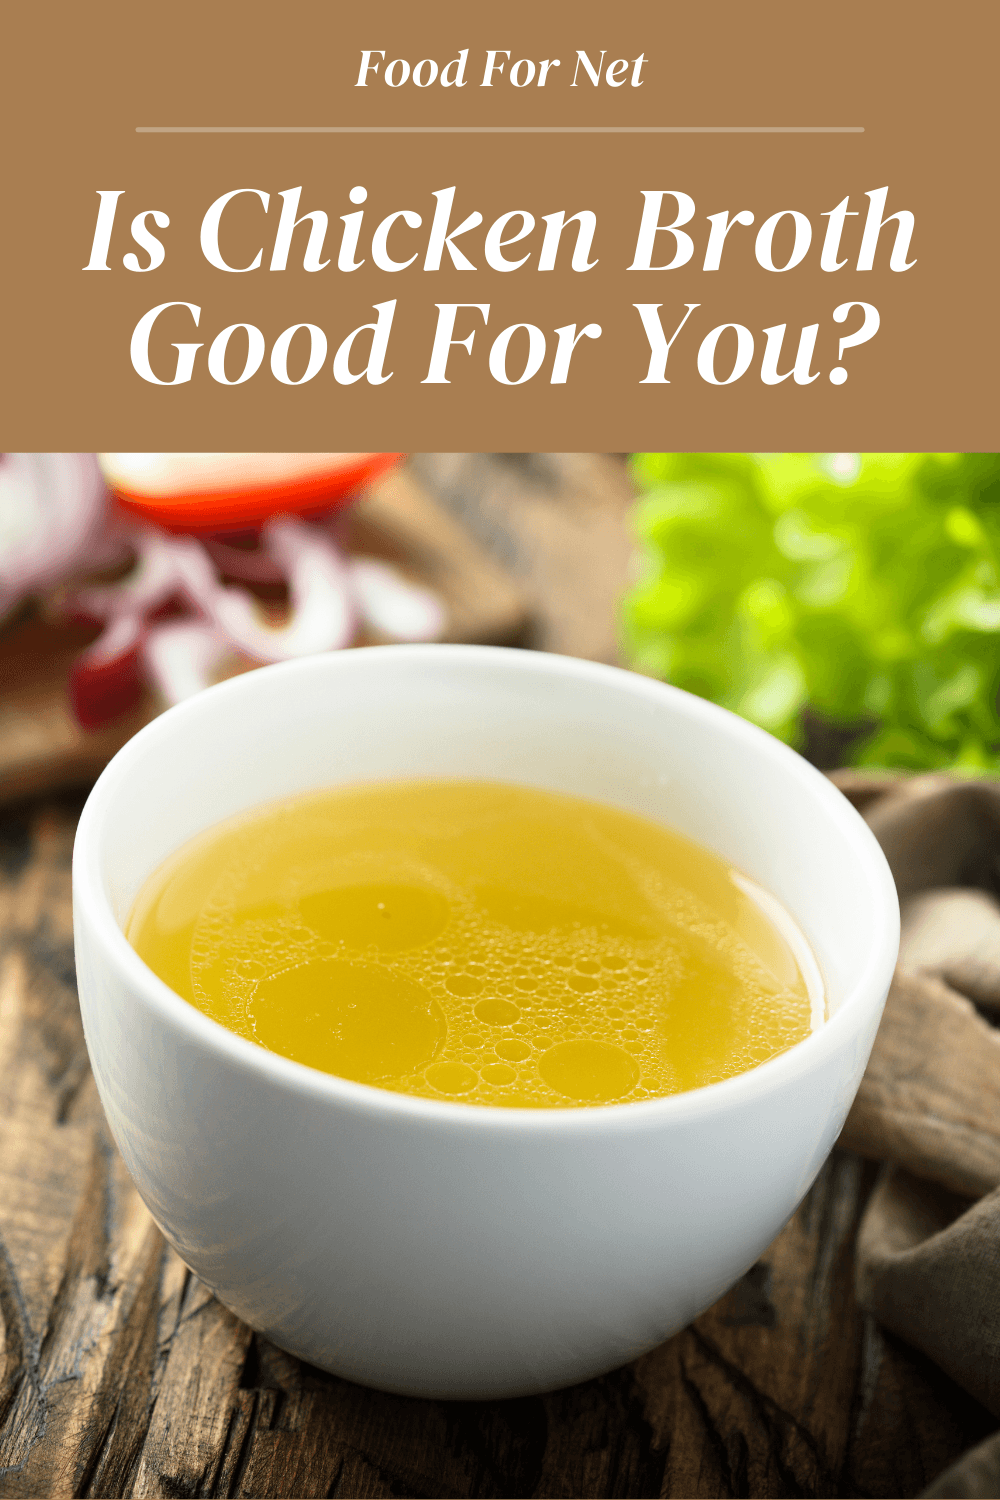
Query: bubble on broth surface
{"x": 344, "y": 1018}
{"x": 451, "y": 1078}
{"x": 497, "y": 1012}
{"x": 589, "y": 1071}
{"x": 497, "y": 1073}
{"x": 463, "y": 984}
{"x": 512, "y": 1050}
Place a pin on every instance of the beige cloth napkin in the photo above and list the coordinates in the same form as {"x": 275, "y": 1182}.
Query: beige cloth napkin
{"x": 928, "y": 1253}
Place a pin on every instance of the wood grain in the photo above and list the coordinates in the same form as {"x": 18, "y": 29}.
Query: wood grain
{"x": 559, "y": 524}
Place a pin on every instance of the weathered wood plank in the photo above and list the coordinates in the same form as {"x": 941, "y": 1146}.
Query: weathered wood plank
{"x": 757, "y": 1394}
{"x": 559, "y": 523}
{"x": 80, "y": 1256}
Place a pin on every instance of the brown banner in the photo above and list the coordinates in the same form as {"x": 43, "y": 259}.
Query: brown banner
{"x": 819, "y": 121}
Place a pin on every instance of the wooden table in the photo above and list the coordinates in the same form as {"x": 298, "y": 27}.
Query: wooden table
{"x": 120, "y": 1375}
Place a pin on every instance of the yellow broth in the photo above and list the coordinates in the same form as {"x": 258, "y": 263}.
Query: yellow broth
{"x": 477, "y": 942}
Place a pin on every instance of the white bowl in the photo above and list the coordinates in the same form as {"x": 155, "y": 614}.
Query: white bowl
{"x": 441, "y": 1249}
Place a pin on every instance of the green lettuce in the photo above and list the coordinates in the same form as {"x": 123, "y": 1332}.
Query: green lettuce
{"x": 862, "y": 590}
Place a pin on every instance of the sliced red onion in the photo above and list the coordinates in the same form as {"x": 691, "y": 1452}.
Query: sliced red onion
{"x": 328, "y": 595}
{"x": 322, "y": 614}
{"x": 248, "y": 564}
{"x": 106, "y": 678}
{"x": 156, "y": 576}
{"x": 393, "y": 605}
{"x": 180, "y": 657}
{"x": 54, "y": 521}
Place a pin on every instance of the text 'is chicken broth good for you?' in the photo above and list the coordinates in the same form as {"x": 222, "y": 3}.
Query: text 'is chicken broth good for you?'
{"x": 481, "y": 943}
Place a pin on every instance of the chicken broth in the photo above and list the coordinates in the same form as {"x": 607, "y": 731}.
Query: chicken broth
{"x": 479, "y": 942}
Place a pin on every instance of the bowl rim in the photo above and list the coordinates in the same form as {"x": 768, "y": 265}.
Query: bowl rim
{"x": 93, "y": 913}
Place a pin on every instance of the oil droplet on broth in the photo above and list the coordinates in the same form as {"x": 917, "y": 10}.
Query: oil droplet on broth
{"x": 497, "y": 1012}
{"x": 477, "y": 942}
{"x": 451, "y": 1078}
{"x": 346, "y": 1019}
{"x": 593, "y": 1072}
{"x": 512, "y": 1050}
{"x": 463, "y": 984}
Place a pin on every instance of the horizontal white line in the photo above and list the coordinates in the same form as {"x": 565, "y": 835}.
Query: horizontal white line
{"x": 499, "y": 130}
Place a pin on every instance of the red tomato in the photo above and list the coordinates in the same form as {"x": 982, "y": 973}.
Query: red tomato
{"x": 211, "y": 492}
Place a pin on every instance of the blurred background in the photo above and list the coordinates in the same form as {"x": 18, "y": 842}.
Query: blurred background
{"x": 848, "y": 603}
